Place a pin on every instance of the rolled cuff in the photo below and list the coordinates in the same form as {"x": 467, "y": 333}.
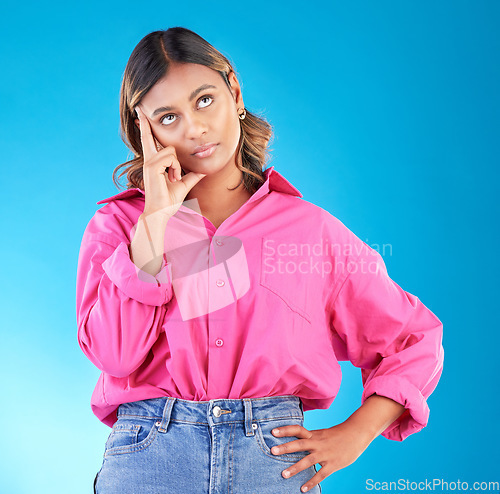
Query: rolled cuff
{"x": 399, "y": 389}
{"x": 136, "y": 283}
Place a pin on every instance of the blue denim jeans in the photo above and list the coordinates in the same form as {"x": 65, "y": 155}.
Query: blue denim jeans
{"x": 222, "y": 446}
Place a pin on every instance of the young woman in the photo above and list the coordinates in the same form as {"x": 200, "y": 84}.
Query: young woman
{"x": 217, "y": 302}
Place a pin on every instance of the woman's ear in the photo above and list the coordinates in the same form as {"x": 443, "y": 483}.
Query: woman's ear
{"x": 235, "y": 89}
{"x": 136, "y": 121}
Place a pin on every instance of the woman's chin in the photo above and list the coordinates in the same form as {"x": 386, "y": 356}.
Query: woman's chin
{"x": 206, "y": 168}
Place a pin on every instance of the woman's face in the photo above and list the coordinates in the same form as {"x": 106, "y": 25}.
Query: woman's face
{"x": 192, "y": 106}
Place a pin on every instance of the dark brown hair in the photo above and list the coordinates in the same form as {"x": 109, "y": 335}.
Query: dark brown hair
{"x": 148, "y": 63}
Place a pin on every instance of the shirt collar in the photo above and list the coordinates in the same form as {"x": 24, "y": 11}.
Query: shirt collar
{"x": 274, "y": 182}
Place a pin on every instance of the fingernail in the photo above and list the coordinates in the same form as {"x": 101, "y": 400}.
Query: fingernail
{"x": 304, "y": 489}
{"x": 286, "y": 473}
{"x": 276, "y": 431}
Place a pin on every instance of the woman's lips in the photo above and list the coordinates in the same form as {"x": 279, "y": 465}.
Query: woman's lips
{"x": 206, "y": 152}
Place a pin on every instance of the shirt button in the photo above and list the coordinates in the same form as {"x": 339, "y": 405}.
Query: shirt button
{"x": 219, "y": 342}
{"x": 219, "y": 282}
{"x": 219, "y": 242}
{"x": 216, "y": 411}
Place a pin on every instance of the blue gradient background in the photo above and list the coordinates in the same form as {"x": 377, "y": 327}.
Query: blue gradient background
{"x": 385, "y": 113}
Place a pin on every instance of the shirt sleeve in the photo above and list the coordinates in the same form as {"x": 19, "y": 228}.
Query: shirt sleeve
{"x": 390, "y": 335}
{"x": 119, "y": 307}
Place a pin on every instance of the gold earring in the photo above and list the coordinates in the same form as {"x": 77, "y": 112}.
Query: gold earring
{"x": 243, "y": 114}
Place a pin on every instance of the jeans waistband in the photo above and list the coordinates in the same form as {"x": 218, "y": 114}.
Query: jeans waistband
{"x": 214, "y": 412}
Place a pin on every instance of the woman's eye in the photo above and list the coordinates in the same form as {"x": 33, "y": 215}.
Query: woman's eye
{"x": 205, "y": 97}
{"x": 172, "y": 115}
{"x": 163, "y": 118}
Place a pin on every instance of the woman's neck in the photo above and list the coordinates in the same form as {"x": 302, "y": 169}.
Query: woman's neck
{"x": 215, "y": 200}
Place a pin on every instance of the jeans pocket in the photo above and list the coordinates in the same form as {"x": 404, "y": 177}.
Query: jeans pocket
{"x": 130, "y": 435}
{"x": 266, "y": 439}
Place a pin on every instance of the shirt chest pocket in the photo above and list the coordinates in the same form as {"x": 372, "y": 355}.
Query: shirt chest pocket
{"x": 285, "y": 272}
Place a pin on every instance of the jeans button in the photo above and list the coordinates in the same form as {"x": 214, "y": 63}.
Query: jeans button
{"x": 216, "y": 411}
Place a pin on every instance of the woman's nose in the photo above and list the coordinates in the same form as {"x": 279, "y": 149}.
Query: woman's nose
{"x": 195, "y": 126}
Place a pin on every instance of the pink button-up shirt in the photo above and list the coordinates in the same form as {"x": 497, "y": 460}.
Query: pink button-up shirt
{"x": 264, "y": 305}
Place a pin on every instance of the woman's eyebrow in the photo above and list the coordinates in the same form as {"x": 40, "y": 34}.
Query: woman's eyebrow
{"x": 191, "y": 97}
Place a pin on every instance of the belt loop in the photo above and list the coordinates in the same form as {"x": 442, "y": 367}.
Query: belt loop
{"x": 248, "y": 417}
{"x": 167, "y": 410}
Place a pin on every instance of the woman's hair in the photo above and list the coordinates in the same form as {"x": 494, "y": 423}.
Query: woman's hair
{"x": 148, "y": 63}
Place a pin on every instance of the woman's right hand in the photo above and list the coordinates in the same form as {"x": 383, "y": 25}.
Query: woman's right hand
{"x": 164, "y": 191}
